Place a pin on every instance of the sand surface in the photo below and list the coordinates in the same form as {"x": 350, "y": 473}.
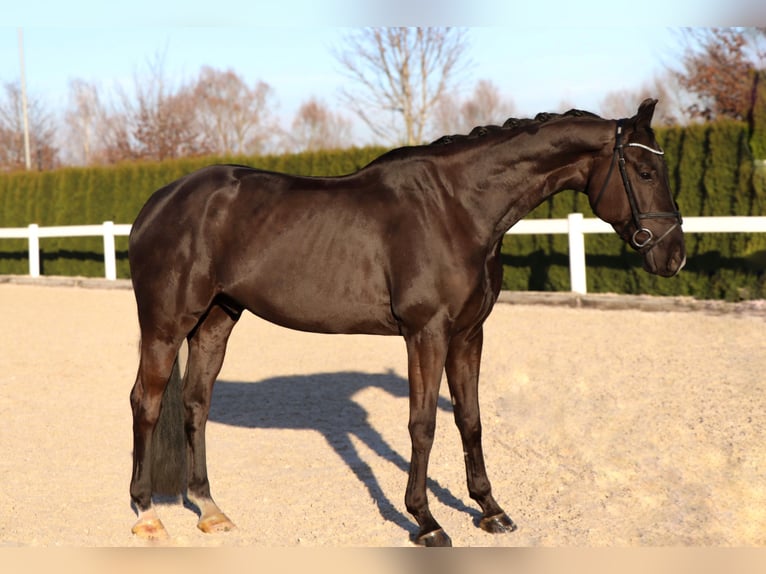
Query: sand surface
{"x": 602, "y": 427}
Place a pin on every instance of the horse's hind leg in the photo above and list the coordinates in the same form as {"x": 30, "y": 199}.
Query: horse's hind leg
{"x": 207, "y": 346}
{"x": 155, "y": 366}
{"x": 462, "y": 368}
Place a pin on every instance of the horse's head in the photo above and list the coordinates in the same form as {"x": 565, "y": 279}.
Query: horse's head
{"x": 629, "y": 188}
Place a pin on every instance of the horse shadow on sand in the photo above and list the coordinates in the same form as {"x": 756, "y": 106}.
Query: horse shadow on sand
{"x": 324, "y": 403}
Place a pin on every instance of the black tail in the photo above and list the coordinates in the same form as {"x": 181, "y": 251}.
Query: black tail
{"x": 168, "y": 462}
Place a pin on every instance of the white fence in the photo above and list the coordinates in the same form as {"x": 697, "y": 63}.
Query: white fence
{"x": 108, "y": 230}
{"x": 575, "y": 226}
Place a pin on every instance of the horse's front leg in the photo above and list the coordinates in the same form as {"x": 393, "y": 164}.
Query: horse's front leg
{"x": 462, "y": 367}
{"x": 426, "y": 353}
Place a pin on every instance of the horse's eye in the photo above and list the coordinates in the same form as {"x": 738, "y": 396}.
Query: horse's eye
{"x": 645, "y": 175}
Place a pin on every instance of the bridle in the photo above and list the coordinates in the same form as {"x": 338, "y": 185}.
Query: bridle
{"x": 648, "y": 241}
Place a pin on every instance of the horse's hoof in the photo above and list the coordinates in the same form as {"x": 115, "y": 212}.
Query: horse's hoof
{"x": 150, "y": 529}
{"x": 497, "y": 524}
{"x": 434, "y": 539}
{"x": 215, "y": 523}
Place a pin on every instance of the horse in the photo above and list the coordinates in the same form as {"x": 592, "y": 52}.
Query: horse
{"x": 408, "y": 245}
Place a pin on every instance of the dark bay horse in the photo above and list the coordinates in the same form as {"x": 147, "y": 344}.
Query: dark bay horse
{"x": 409, "y": 245}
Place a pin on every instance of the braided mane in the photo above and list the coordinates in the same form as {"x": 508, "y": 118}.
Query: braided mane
{"x": 511, "y": 124}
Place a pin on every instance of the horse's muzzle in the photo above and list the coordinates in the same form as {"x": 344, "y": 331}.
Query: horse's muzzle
{"x": 665, "y": 262}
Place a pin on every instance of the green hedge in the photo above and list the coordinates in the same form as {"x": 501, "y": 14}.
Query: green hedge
{"x": 758, "y": 119}
{"x": 711, "y": 171}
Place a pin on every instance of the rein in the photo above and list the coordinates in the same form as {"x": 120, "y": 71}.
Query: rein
{"x": 618, "y": 157}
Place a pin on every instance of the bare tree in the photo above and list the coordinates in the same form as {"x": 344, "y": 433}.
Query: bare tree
{"x": 400, "y": 73}
{"x": 486, "y": 105}
{"x": 233, "y": 118}
{"x": 163, "y": 125}
{"x": 41, "y": 132}
{"x": 156, "y": 121}
{"x": 317, "y": 127}
{"x": 718, "y": 69}
{"x": 115, "y": 140}
{"x": 83, "y": 117}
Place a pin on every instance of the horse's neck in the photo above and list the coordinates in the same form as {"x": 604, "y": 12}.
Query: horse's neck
{"x": 511, "y": 178}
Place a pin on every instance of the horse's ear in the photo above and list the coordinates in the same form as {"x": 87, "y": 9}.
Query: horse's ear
{"x": 645, "y": 112}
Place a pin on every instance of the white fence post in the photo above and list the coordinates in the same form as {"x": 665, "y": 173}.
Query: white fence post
{"x": 577, "y": 280}
{"x": 110, "y": 259}
{"x": 34, "y": 250}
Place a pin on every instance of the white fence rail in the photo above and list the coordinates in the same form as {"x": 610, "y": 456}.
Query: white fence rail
{"x": 32, "y": 233}
{"x": 575, "y": 226}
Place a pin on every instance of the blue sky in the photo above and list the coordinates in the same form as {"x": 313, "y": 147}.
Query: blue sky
{"x": 539, "y": 53}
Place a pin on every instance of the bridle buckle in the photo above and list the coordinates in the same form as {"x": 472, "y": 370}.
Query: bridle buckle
{"x": 638, "y": 243}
